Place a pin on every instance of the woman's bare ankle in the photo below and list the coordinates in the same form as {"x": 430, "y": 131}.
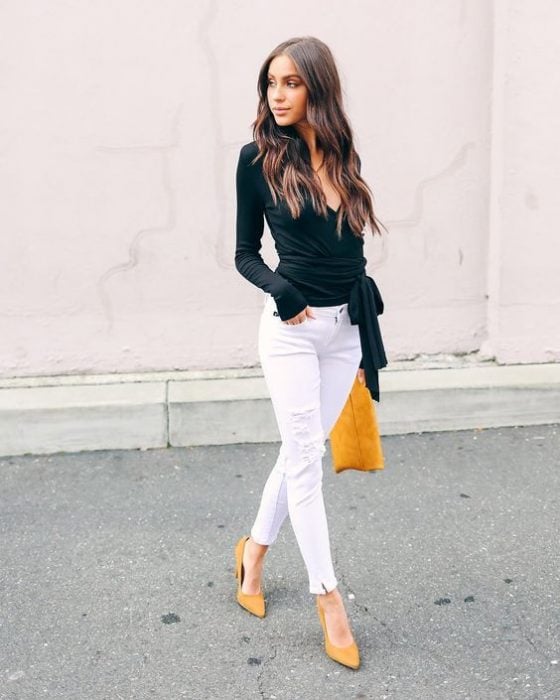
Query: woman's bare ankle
{"x": 330, "y": 597}
{"x": 255, "y": 550}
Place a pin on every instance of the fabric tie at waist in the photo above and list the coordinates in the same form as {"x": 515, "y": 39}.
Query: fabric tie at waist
{"x": 364, "y": 307}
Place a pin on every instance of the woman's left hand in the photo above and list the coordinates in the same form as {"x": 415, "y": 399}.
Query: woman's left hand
{"x": 361, "y": 375}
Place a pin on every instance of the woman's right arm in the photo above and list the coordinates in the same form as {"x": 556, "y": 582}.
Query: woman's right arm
{"x": 249, "y": 231}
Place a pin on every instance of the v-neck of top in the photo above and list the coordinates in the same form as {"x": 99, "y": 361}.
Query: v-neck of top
{"x": 334, "y": 211}
{"x": 310, "y": 237}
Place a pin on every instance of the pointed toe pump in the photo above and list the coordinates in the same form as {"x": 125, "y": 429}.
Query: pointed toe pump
{"x": 347, "y": 656}
{"x": 254, "y": 603}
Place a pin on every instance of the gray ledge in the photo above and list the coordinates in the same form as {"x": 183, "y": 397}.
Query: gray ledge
{"x": 43, "y": 415}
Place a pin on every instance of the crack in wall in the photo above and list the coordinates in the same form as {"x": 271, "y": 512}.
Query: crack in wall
{"x": 222, "y": 248}
{"x": 169, "y": 224}
{"x": 418, "y": 208}
{"x": 417, "y": 213}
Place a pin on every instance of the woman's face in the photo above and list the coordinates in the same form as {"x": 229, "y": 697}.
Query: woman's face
{"x": 286, "y": 92}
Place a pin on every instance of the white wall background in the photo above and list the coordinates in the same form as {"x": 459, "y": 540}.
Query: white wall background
{"x": 120, "y": 128}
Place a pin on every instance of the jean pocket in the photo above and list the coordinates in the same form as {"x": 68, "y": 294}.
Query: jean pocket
{"x": 273, "y": 312}
{"x": 295, "y": 325}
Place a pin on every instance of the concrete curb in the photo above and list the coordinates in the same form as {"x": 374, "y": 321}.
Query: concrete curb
{"x": 45, "y": 415}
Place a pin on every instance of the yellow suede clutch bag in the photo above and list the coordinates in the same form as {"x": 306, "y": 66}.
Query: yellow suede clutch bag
{"x": 355, "y": 439}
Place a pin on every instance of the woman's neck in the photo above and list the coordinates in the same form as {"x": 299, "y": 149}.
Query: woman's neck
{"x": 308, "y": 134}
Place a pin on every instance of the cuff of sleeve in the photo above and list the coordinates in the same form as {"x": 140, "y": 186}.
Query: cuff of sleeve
{"x": 362, "y": 363}
{"x": 290, "y": 302}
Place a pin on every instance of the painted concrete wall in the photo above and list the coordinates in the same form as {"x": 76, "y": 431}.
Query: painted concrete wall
{"x": 119, "y": 135}
{"x": 524, "y": 272}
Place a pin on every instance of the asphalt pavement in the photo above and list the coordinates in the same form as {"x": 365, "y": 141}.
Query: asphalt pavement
{"x": 117, "y": 574}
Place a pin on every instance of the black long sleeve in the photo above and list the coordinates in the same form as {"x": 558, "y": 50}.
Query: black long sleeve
{"x": 249, "y": 230}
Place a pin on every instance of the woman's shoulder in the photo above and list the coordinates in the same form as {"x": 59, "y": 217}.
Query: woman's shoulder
{"x": 249, "y": 151}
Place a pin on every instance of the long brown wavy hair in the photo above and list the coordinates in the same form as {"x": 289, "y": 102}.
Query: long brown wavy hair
{"x": 286, "y": 157}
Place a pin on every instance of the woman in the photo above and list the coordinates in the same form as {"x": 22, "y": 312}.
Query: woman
{"x": 319, "y": 319}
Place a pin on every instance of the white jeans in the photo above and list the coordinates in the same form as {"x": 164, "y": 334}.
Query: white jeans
{"x": 309, "y": 369}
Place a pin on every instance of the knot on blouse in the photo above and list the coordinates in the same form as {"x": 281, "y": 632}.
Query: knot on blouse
{"x": 364, "y": 306}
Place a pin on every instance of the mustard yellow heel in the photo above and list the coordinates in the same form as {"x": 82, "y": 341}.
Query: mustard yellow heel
{"x": 348, "y": 656}
{"x": 254, "y": 603}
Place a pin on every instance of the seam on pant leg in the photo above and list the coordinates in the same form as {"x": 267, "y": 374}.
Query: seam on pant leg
{"x": 274, "y": 522}
{"x": 319, "y": 587}
{"x": 274, "y": 527}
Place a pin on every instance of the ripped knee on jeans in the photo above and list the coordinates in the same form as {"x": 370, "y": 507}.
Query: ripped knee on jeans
{"x": 311, "y": 443}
